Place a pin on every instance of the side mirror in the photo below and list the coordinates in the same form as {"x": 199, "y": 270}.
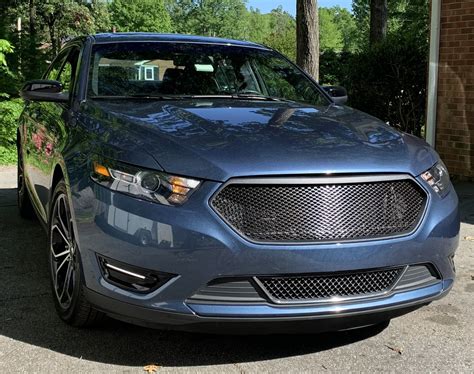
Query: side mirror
{"x": 337, "y": 93}
{"x": 44, "y": 90}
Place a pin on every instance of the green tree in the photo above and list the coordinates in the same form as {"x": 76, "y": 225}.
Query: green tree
{"x": 282, "y": 36}
{"x": 330, "y": 36}
{"x": 9, "y": 110}
{"x": 101, "y": 16}
{"x": 257, "y": 26}
{"x": 64, "y": 19}
{"x": 347, "y": 26}
{"x": 140, "y": 15}
{"x": 410, "y": 18}
{"x": 223, "y": 18}
{"x": 5, "y": 47}
{"x": 406, "y": 18}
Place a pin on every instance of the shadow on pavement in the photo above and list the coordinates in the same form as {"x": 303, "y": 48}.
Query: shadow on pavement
{"x": 465, "y": 192}
{"x": 27, "y": 314}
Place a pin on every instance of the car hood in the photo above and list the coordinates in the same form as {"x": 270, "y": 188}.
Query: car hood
{"x": 220, "y": 139}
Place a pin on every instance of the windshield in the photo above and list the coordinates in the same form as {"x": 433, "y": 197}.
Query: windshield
{"x": 176, "y": 70}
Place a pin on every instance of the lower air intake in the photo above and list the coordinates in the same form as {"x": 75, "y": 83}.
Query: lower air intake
{"x": 303, "y": 288}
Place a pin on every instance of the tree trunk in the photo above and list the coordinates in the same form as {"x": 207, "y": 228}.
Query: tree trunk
{"x": 307, "y": 36}
{"x": 32, "y": 16}
{"x": 378, "y": 20}
{"x": 52, "y": 37}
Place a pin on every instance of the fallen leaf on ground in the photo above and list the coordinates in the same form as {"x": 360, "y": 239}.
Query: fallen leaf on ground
{"x": 151, "y": 368}
{"x": 395, "y": 349}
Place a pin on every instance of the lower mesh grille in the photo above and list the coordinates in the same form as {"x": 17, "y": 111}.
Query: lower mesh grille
{"x": 319, "y": 287}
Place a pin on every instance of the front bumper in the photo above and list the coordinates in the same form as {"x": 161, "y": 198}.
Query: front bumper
{"x": 195, "y": 244}
{"x": 301, "y": 320}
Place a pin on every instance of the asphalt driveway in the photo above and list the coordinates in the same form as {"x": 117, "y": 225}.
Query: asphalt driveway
{"x": 436, "y": 338}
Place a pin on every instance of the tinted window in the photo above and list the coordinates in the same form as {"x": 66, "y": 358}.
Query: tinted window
{"x": 68, "y": 71}
{"x": 56, "y": 66}
{"x": 63, "y": 68}
{"x": 125, "y": 69}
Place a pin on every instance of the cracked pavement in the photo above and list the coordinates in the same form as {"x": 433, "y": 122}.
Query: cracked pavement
{"x": 436, "y": 338}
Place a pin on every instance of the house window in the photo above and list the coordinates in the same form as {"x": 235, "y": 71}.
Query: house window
{"x": 149, "y": 73}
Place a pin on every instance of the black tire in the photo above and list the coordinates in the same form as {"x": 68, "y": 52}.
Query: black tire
{"x": 65, "y": 265}
{"x": 23, "y": 198}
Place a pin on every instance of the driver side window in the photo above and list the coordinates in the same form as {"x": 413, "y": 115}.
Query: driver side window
{"x": 65, "y": 76}
{"x": 63, "y": 68}
{"x": 55, "y": 67}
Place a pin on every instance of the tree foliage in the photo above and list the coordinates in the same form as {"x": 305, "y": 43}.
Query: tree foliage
{"x": 282, "y": 35}
{"x": 330, "y": 35}
{"x": 9, "y": 109}
{"x": 140, "y": 15}
{"x": 389, "y": 82}
{"x": 64, "y": 19}
{"x": 5, "y": 47}
{"x": 223, "y": 18}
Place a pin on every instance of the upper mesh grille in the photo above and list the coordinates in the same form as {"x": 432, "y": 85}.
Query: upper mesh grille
{"x": 330, "y": 212}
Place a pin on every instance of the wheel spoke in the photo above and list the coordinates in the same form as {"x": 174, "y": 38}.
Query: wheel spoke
{"x": 66, "y": 281}
{"x": 61, "y": 265}
{"x": 60, "y": 219}
{"x": 58, "y": 229}
{"x": 61, "y": 254}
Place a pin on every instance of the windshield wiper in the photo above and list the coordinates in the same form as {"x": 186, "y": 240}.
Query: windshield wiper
{"x": 192, "y": 97}
{"x": 262, "y": 98}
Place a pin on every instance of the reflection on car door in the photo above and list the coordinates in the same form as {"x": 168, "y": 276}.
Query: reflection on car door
{"x": 46, "y": 131}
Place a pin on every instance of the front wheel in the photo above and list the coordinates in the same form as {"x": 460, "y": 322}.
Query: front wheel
{"x": 65, "y": 265}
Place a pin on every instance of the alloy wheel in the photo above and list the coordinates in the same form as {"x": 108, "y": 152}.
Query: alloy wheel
{"x": 63, "y": 252}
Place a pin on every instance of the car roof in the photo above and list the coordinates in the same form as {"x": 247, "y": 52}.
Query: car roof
{"x": 178, "y": 38}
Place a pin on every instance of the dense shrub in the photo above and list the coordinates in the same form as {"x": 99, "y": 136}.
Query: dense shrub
{"x": 334, "y": 67}
{"x": 9, "y": 113}
{"x": 387, "y": 81}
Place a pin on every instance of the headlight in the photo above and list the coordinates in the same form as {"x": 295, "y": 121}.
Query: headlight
{"x": 146, "y": 184}
{"x": 438, "y": 178}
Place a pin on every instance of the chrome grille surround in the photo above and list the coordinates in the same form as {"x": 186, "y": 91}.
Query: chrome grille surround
{"x": 330, "y": 287}
{"x": 315, "y": 210}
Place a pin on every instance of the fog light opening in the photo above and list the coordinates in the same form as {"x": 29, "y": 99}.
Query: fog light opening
{"x": 130, "y": 277}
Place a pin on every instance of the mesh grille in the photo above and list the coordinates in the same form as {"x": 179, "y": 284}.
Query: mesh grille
{"x": 312, "y": 213}
{"x": 300, "y": 288}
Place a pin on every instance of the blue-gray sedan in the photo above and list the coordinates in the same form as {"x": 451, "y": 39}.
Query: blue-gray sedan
{"x": 210, "y": 184}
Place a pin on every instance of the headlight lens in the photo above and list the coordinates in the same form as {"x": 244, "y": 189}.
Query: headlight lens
{"x": 146, "y": 184}
{"x": 438, "y": 178}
